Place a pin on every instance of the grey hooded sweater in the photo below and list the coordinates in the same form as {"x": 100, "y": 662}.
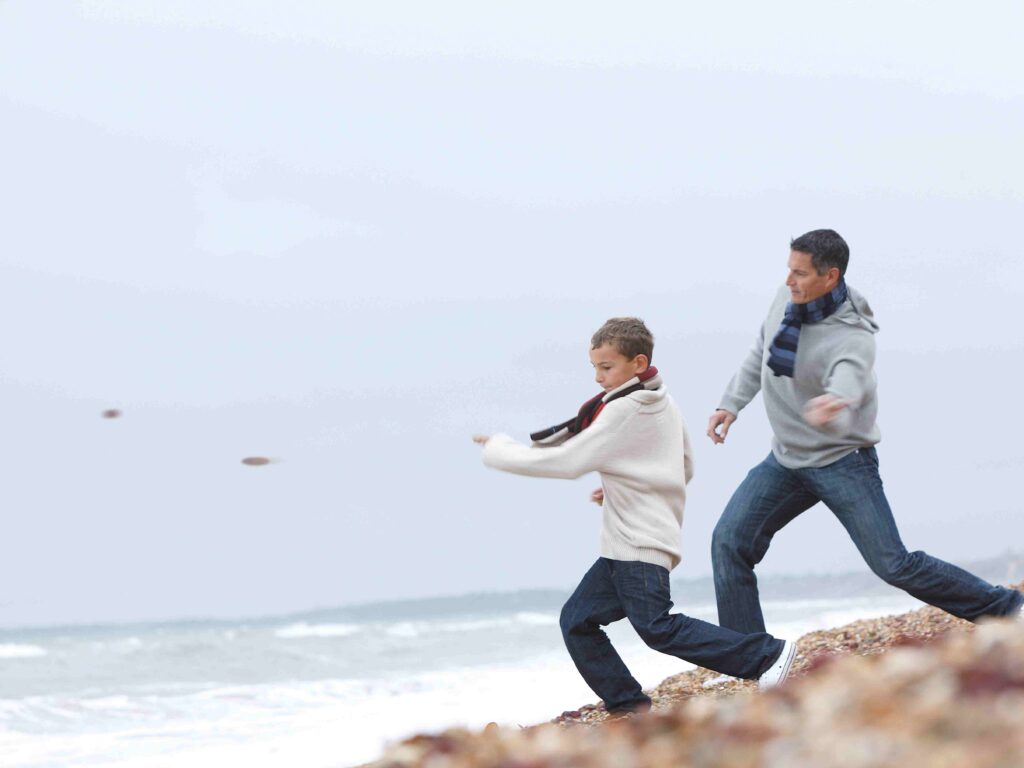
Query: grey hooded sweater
{"x": 835, "y": 356}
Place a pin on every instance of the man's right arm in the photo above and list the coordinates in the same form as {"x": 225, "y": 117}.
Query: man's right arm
{"x": 743, "y": 387}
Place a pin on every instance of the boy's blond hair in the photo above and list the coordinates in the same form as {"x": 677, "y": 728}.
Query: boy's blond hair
{"x": 628, "y": 335}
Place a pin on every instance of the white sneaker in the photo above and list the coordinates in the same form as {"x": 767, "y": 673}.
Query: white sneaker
{"x": 778, "y": 671}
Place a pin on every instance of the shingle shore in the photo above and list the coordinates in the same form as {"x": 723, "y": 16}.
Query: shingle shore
{"x": 920, "y": 688}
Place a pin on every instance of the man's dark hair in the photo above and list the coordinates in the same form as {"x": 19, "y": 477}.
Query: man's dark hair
{"x": 826, "y": 248}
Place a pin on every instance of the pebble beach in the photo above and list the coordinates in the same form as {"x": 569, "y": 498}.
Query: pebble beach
{"x": 919, "y": 688}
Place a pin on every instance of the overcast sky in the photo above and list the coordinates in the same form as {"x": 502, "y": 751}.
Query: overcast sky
{"x": 347, "y": 236}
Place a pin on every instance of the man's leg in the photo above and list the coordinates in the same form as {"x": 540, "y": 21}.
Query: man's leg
{"x": 769, "y": 498}
{"x": 594, "y": 604}
{"x": 643, "y": 590}
{"x": 852, "y": 489}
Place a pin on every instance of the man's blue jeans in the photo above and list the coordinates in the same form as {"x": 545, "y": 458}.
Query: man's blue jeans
{"x": 617, "y": 589}
{"x": 772, "y": 495}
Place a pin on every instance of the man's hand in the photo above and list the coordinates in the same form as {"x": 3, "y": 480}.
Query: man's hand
{"x": 822, "y": 410}
{"x": 481, "y": 439}
{"x": 597, "y": 496}
{"x": 720, "y": 419}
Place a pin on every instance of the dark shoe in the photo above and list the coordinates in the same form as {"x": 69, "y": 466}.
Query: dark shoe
{"x": 628, "y": 710}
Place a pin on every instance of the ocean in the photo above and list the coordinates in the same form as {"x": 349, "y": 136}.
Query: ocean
{"x": 331, "y": 688}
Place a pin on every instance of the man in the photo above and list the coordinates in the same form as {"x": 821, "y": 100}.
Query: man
{"x": 813, "y": 361}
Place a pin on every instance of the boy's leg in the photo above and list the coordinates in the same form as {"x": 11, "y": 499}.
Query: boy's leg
{"x": 595, "y": 604}
{"x": 852, "y": 489}
{"x": 769, "y": 498}
{"x": 644, "y": 592}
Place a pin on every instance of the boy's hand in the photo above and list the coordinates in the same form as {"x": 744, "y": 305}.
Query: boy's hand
{"x": 821, "y": 410}
{"x": 481, "y": 439}
{"x": 597, "y": 496}
{"x": 720, "y": 419}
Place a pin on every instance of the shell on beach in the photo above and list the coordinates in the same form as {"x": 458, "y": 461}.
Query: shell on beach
{"x": 919, "y": 689}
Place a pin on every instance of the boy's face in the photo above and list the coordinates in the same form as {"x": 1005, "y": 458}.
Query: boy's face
{"x": 612, "y": 368}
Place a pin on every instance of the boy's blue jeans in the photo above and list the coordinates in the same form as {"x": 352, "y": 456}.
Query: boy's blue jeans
{"x": 772, "y": 495}
{"x": 617, "y": 589}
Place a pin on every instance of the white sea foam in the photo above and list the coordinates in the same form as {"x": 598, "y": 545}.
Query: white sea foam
{"x": 302, "y": 629}
{"x": 404, "y": 629}
{"x": 823, "y": 618}
{"x": 523, "y": 618}
{"x": 537, "y": 618}
{"x": 410, "y": 629}
{"x": 314, "y": 724}
{"x": 121, "y": 645}
{"x": 17, "y": 651}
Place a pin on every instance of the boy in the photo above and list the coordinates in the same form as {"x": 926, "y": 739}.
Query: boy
{"x": 634, "y": 436}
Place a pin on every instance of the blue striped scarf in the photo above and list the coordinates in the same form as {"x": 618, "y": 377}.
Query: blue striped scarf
{"x": 782, "y": 352}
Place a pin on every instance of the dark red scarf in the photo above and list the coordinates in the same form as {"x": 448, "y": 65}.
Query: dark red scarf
{"x": 590, "y": 409}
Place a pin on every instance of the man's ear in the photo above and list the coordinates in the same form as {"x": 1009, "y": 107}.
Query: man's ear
{"x": 833, "y": 277}
{"x": 642, "y": 363}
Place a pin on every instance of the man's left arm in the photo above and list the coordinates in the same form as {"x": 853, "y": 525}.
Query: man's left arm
{"x": 849, "y": 381}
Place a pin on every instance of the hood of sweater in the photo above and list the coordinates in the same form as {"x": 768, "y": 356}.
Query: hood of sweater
{"x": 650, "y": 400}
{"x": 857, "y": 311}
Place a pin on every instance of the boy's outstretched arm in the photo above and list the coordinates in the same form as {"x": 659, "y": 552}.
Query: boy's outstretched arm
{"x": 586, "y": 452}
{"x": 502, "y": 452}
{"x": 597, "y": 496}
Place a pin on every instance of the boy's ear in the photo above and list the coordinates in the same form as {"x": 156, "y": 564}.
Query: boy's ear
{"x": 642, "y": 363}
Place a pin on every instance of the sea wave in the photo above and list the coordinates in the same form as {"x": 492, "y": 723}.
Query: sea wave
{"x": 302, "y": 630}
{"x": 19, "y": 651}
{"x": 291, "y": 723}
{"x": 524, "y": 618}
{"x": 414, "y": 629}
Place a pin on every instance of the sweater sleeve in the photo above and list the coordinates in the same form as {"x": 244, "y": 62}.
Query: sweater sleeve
{"x": 747, "y": 381}
{"x": 851, "y": 378}
{"x": 589, "y": 451}
{"x": 687, "y": 457}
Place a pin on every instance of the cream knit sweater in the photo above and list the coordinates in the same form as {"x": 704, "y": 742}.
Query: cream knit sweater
{"x": 639, "y": 445}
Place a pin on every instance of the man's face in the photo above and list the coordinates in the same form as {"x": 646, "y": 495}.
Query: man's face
{"x": 804, "y": 282}
{"x": 612, "y": 368}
